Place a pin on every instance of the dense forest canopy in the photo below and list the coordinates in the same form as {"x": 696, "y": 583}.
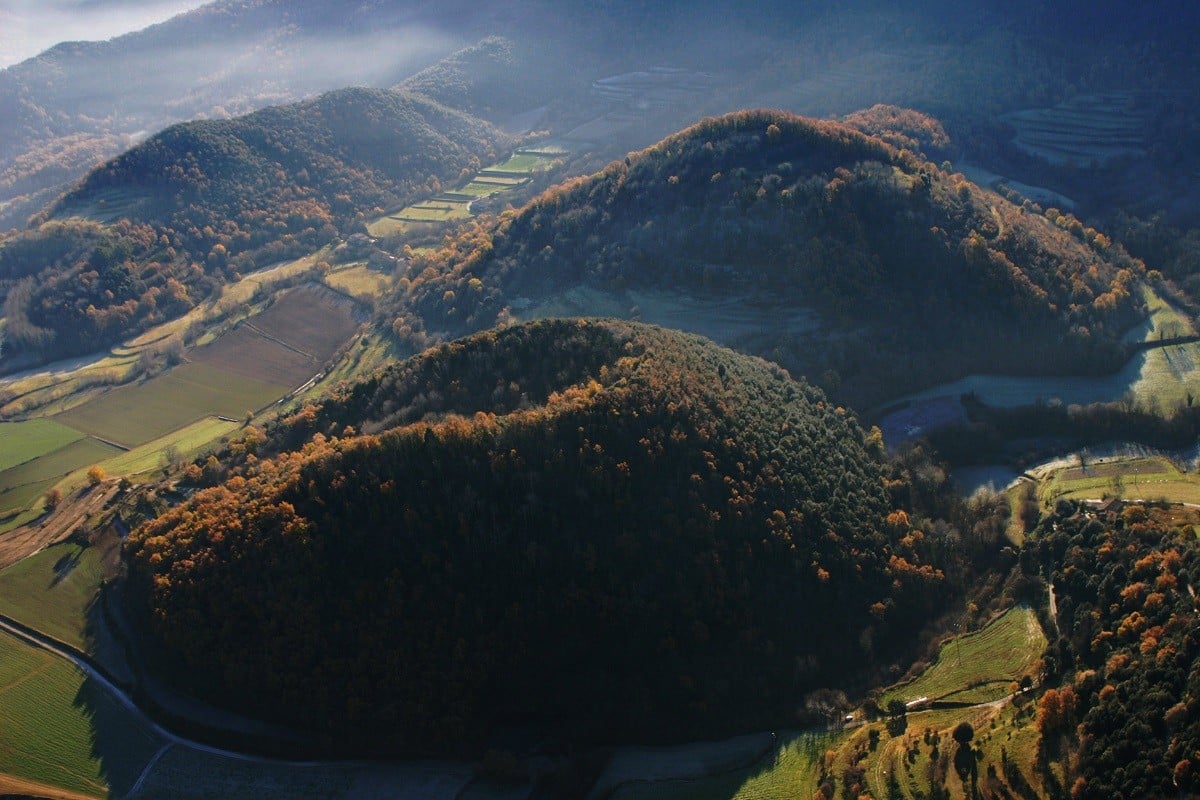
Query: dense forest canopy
{"x": 614, "y": 529}
{"x": 1125, "y": 719}
{"x": 916, "y": 274}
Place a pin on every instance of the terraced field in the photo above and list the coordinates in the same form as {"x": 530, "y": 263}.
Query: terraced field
{"x": 1086, "y": 130}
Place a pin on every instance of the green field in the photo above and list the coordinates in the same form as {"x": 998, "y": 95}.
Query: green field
{"x": 52, "y": 591}
{"x": 135, "y": 415}
{"x": 188, "y": 442}
{"x": 20, "y": 486}
{"x": 980, "y": 666}
{"x": 61, "y": 729}
{"x": 23, "y": 441}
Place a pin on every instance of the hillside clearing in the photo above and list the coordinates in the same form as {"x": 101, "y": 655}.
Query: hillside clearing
{"x": 980, "y": 666}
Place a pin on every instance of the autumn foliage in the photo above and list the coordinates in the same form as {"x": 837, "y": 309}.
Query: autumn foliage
{"x": 617, "y": 529}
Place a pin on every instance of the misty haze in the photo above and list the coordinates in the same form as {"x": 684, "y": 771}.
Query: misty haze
{"x": 551, "y": 400}
{"x": 27, "y": 27}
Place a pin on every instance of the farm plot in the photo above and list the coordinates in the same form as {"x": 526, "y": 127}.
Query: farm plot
{"x": 312, "y": 320}
{"x": 186, "y": 443}
{"x": 51, "y": 591}
{"x": 435, "y": 211}
{"x": 245, "y": 369}
{"x": 20, "y": 486}
{"x": 980, "y": 666}
{"x": 135, "y": 415}
{"x": 25, "y": 441}
{"x": 61, "y": 729}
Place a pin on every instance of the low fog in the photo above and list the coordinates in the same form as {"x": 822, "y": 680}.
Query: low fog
{"x": 27, "y": 27}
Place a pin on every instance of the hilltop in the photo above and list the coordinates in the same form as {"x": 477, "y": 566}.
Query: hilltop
{"x": 204, "y": 201}
{"x": 909, "y": 274}
{"x": 606, "y": 528}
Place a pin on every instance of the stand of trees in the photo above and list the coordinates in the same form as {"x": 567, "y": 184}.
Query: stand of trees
{"x": 1125, "y": 719}
{"x": 615, "y": 530}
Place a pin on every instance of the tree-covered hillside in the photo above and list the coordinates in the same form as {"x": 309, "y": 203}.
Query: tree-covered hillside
{"x": 611, "y": 529}
{"x": 916, "y": 274}
{"x": 203, "y": 201}
{"x": 1124, "y": 721}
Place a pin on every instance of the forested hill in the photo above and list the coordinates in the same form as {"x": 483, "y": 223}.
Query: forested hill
{"x": 915, "y": 274}
{"x": 204, "y": 200}
{"x": 608, "y": 528}
{"x": 325, "y": 160}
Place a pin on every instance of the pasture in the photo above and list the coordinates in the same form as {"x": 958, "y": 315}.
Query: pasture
{"x": 1157, "y": 378}
{"x": 61, "y": 729}
{"x": 790, "y": 771}
{"x": 980, "y": 666}
{"x": 889, "y": 765}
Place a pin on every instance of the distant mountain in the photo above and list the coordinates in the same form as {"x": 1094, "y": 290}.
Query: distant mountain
{"x": 909, "y": 275}
{"x": 203, "y": 200}
{"x": 604, "y": 527}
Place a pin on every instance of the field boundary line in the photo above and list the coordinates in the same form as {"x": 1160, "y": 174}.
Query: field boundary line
{"x": 277, "y": 340}
{"x": 109, "y": 442}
